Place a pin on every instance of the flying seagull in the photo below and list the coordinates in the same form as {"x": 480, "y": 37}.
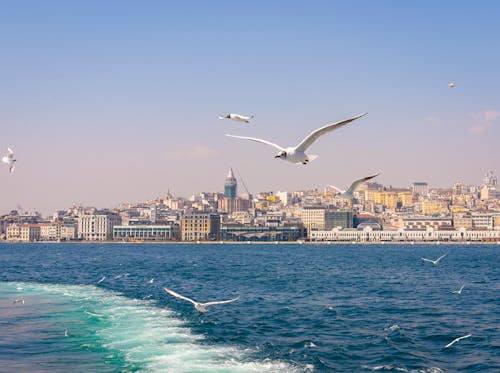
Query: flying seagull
{"x": 199, "y": 306}
{"x": 18, "y": 301}
{"x": 456, "y": 340}
{"x": 151, "y": 281}
{"x": 297, "y": 154}
{"x": 9, "y": 159}
{"x": 348, "y": 194}
{"x": 66, "y": 333}
{"x": 435, "y": 262}
{"x": 237, "y": 117}
{"x": 459, "y": 291}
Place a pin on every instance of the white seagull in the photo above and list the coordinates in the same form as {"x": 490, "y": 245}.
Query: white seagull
{"x": 9, "y": 159}
{"x": 199, "y": 306}
{"x": 297, "y": 154}
{"x": 237, "y": 117}
{"x": 459, "y": 291}
{"x": 18, "y": 301}
{"x": 102, "y": 279}
{"x": 151, "y": 281}
{"x": 435, "y": 262}
{"x": 456, "y": 340}
{"x": 66, "y": 333}
{"x": 348, "y": 194}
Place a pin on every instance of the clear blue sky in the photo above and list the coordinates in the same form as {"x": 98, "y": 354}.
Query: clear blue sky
{"x": 112, "y": 101}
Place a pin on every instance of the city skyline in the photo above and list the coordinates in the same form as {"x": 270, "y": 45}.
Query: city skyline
{"x": 115, "y": 102}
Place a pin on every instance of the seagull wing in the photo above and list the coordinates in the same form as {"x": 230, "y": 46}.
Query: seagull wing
{"x": 428, "y": 260}
{"x": 337, "y": 189}
{"x": 10, "y": 151}
{"x": 220, "y": 302}
{"x": 439, "y": 259}
{"x": 461, "y": 288}
{"x": 12, "y": 168}
{"x": 356, "y": 183}
{"x": 456, "y": 340}
{"x": 257, "y": 140}
{"x": 6, "y": 160}
{"x": 177, "y": 295}
{"x": 314, "y": 135}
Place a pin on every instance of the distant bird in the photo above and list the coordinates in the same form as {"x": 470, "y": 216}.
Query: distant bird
{"x": 435, "y": 262}
{"x": 451, "y": 85}
{"x": 456, "y": 340}
{"x": 297, "y": 154}
{"x": 151, "y": 281}
{"x": 120, "y": 276}
{"x": 18, "y": 301}
{"x": 459, "y": 291}
{"x": 199, "y": 306}
{"x": 237, "y": 117}
{"x": 9, "y": 159}
{"x": 66, "y": 333}
{"x": 348, "y": 194}
{"x": 102, "y": 279}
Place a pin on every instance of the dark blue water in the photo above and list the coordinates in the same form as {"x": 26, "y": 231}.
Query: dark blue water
{"x": 301, "y": 308}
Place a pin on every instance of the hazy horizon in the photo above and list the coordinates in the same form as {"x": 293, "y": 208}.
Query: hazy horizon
{"x": 105, "y": 103}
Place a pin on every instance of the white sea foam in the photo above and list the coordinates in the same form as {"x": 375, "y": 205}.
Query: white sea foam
{"x": 150, "y": 337}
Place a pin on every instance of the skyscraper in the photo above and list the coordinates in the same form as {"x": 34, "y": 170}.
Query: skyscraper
{"x": 230, "y": 185}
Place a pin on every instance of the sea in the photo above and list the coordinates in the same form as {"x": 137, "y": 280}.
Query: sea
{"x": 301, "y": 308}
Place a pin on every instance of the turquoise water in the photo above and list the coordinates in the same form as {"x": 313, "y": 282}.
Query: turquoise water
{"x": 301, "y": 308}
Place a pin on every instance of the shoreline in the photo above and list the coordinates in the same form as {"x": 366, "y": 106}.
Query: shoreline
{"x": 313, "y": 243}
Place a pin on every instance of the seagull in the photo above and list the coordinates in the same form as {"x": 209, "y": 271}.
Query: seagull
{"x": 459, "y": 291}
{"x": 435, "y": 262}
{"x": 9, "y": 159}
{"x": 456, "y": 340}
{"x": 18, "y": 301}
{"x": 451, "y": 85}
{"x": 151, "y": 281}
{"x": 102, "y": 279}
{"x": 120, "y": 276}
{"x": 199, "y": 306}
{"x": 66, "y": 333}
{"x": 348, "y": 194}
{"x": 297, "y": 154}
{"x": 237, "y": 117}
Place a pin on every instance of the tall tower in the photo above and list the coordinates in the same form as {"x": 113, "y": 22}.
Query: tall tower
{"x": 230, "y": 185}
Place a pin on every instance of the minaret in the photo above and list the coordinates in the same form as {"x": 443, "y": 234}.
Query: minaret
{"x": 230, "y": 185}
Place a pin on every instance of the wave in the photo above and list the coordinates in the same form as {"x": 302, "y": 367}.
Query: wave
{"x": 143, "y": 336}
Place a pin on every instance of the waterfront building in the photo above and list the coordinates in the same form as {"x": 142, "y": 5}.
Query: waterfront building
{"x": 97, "y": 227}
{"x": 144, "y": 232}
{"x": 23, "y": 232}
{"x": 428, "y": 234}
{"x": 315, "y": 218}
{"x": 68, "y": 232}
{"x": 285, "y": 232}
{"x": 197, "y": 227}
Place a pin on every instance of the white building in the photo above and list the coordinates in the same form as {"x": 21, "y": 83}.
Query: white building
{"x": 405, "y": 235}
{"x": 143, "y": 232}
{"x": 97, "y": 227}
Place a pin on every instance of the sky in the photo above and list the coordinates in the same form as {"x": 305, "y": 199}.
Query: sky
{"x": 107, "y": 102}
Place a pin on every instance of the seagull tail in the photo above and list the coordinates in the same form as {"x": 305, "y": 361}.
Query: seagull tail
{"x": 312, "y": 157}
